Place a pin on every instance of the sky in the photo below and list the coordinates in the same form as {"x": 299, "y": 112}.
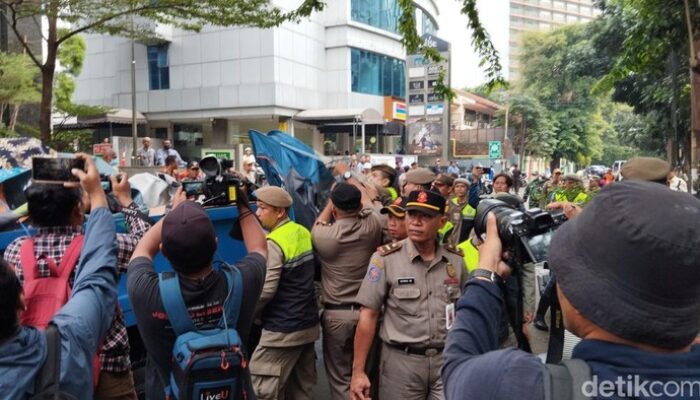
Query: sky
{"x": 453, "y": 28}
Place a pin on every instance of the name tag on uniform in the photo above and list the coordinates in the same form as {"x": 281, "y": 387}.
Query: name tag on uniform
{"x": 407, "y": 281}
{"x": 449, "y": 315}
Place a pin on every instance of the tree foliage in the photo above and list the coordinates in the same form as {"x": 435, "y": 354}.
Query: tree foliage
{"x": 534, "y": 128}
{"x": 17, "y": 85}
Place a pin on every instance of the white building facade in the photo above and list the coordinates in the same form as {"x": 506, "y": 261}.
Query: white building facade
{"x": 206, "y": 90}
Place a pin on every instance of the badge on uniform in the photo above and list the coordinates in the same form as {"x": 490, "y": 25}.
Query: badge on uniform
{"x": 449, "y": 315}
{"x": 374, "y": 273}
{"x": 407, "y": 281}
{"x": 451, "y": 270}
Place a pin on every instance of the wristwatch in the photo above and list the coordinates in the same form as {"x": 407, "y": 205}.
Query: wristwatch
{"x": 488, "y": 274}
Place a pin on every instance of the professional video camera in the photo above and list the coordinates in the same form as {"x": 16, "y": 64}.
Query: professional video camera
{"x": 525, "y": 234}
{"x": 218, "y": 186}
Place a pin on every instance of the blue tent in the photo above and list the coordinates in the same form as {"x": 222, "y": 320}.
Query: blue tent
{"x": 289, "y": 163}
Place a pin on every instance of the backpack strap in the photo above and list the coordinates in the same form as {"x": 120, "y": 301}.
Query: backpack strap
{"x": 565, "y": 381}
{"x": 48, "y": 378}
{"x": 174, "y": 303}
{"x": 232, "y": 305}
{"x": 70, "y": 258}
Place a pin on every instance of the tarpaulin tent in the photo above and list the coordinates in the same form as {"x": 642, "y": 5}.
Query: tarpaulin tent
{"x": 291, "y": 164}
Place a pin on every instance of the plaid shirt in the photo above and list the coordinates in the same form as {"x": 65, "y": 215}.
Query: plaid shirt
{"x": 53, "y": 243}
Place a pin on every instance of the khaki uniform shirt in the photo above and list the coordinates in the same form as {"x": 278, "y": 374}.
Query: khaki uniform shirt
{"x": 414, "y": 293}
{"x": 344, "y": 248}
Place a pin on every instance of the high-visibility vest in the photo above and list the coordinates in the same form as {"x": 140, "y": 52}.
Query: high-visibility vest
{"x": 293, "y": 308}
{"x": 471, "y": 255}
{"x": 392, "y": 193}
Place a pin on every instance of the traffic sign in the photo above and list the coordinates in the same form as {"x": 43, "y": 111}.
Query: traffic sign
{"x": 494, "y": 149}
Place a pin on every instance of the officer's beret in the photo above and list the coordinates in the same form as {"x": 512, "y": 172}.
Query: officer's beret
{"x": 646, "y": 169}
{"x": 420, "y": 176}
{"x": 274, "y": 196}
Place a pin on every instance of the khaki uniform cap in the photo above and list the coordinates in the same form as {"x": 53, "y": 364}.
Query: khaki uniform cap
{"x": 420, "y": 176}
{"x": 645, "y": 169}
{"x": 274, "y": 196}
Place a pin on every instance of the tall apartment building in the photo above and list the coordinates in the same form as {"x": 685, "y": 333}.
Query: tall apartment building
{"x": 326, "y": 79}
{"x": 542, "y": 15}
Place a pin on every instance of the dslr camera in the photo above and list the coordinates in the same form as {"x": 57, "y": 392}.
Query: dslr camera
{"x": 525, "y": 234}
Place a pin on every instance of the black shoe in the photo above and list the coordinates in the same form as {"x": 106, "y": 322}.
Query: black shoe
{"x": 540, "y": 324}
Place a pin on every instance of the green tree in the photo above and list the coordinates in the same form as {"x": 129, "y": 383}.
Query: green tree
{"x": 111, "y": 17}
{"x": 17, "y": 85}
{"x": 646, "y": 42}
{"x": 559, "y": 68}
{"x": 533, "y": 126}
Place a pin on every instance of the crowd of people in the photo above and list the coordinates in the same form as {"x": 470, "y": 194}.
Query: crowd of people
{"x": 412, "y": 298}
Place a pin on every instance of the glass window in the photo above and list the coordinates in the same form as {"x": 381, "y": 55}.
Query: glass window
{"x": 377, "y": 74}
{"x": 559, "y": 17}
{"x": 559, "y": 4}
{"x": 158, "y": 68}
{"x": 382, "y": 14}
{"x": 571, "y": 19}
{"x": 572, "y": 7}
{"x": 429, "y": 25}
{"x": 547, "y": 3}
{"x": 545, "y": 15}
{"x": 585, "y": 10}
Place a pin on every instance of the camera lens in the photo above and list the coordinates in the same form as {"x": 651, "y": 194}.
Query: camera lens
{"x": 504, "y": 213}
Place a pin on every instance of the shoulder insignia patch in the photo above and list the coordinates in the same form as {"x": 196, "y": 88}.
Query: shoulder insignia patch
{"x": 453, "y": 249}
{"x": 388, "y": 248}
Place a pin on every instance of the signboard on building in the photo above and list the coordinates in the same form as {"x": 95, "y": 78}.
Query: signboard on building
{"x": 221, "y": 154}
{"x": 428, "y": 112}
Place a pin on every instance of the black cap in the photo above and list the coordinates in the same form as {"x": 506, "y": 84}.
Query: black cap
{"x": 346, "y": 197}
{"x": 426, "y": 201}
{"x": 188, "y": 238}
{"x": 633, "y": 272}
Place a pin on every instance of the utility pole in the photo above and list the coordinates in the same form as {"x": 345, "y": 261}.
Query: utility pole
{"x": 134, "y": 130}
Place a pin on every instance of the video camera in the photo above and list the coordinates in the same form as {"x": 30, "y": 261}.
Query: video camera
{"x": 218, "y": 186}
{"x": 525, "y": 234}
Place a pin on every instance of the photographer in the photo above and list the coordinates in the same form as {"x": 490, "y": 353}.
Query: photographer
{"x": 631, "y": 294}
{"x": 58, "y": 213}
{"x": 187, "y": 239}
{"x": 80, "y": 323}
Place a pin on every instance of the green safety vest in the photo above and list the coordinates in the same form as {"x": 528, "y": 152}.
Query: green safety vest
{"x": 392, "y": 193}
{"x": 471, "y": 255}
{"x": 580, "y": 199}
{"x": 293, "y": 308}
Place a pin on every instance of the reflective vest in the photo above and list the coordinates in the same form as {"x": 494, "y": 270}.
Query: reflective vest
{"x": 471, "y": 255}
{"x": 580, "y": 199}
{"x": 461, "y": 221}
{"x": 293, "y": 308}
{"x": 392, "y": 193}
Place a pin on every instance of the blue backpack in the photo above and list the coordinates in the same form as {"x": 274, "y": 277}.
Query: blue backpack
{"x": 206, "y": 364}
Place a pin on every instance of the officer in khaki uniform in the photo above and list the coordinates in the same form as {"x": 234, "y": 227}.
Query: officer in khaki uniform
{"x": 460, "y": 215}
{"x": 417, "y": 179}
{"x": 345, "y": 235}
{"x": 416, "y": 282}
{"x": 283, "y": 365}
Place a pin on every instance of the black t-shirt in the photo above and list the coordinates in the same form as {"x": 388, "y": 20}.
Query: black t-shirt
{"x": 204, "y": 299}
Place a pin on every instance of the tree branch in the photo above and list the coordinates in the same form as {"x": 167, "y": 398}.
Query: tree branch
{"x": 20, "y": 37}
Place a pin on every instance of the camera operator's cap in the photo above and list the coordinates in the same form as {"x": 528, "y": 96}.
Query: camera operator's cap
{"x": 385, "y": 169}
{"x": 571, "y": 177}
{"x": 632, "y": 272}
{"x": 397, "y": 208}
{"x": 426, "y": 201}
{"x": 188, "y": 238}
{"x": 420, "y": 176}
{"x": 274, "y": 196}
{"x": 646, "y": 169}
{"x": 346, "y": 197}
{"x": 445, "y": 179}
{"x": 461, "y": 180}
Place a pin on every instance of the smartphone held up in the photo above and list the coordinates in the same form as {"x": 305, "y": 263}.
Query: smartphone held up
{"x": 56, "y": 170}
